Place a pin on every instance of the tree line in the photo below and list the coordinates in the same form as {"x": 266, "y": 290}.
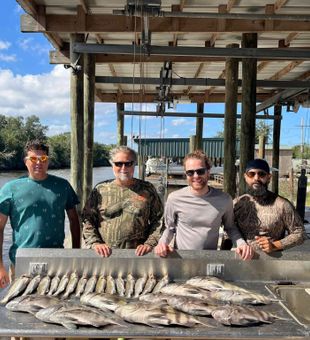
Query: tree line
{"x": 16, "y": 131}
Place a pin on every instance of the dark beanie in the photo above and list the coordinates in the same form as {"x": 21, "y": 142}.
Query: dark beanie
{"x": 258, "y": 163}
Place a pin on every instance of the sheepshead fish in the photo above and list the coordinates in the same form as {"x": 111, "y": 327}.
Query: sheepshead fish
{"x": 73, "y": 281}
{"x": 62, "y": 285}
{"x": 139, "y": 285}
{"x": 44, "y": 285}
{"x": 101, "y": 284}
{"x": 242, "y": 316}
{"x": 190, "y": 305}
{"x": 91, "y": 284}
{"x": 130, "y": 286}
{"x": 213, "y": 283}
{"x": 70, "y": 316}
{"x": 32, "y": 285}
{"x": 54, "y": 285}
{"x": 150, "y": 284}
{"x": 102, "y": 301}
{"x": 81, "y": 286}
{"x": 17, "y": 287}
{"x": 238, "y": 297}
{"x": 160, "y": 284}
{"x": 111, "y": 288}
{"x": 184, "y": 290}
{"x": 120, "y": 286}
{"x": 31, "y": 303}
{"x": 155, "y": 315}
{"x": 153, "y": 298}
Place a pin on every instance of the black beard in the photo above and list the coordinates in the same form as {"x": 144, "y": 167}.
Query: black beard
{"x": 261, "y": 191}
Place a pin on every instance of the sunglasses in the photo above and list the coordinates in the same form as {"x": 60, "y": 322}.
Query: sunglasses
{"x": 260, "y": 174}
{"x": 35, "y": 159}
{"x": 120, "y": 164}
{"x": 199, "y": 172}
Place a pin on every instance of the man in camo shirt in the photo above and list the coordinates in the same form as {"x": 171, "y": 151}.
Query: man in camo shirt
{"x": 267, "y": 221}
{"x": 122, "y": 213}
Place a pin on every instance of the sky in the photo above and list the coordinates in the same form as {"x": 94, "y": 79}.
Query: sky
{"x": 29, "y": 85}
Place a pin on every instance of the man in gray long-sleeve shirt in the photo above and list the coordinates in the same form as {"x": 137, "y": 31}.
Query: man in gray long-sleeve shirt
{"x": 195, "y": 213}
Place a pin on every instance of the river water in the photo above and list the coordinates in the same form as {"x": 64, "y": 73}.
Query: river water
{"x": 99, "y": 174}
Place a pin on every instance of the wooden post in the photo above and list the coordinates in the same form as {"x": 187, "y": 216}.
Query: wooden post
{"x": 89, "y": 101}
{"x": 120, "y": 124}
{"x": 199, "y": 127}
{"x": 247, "y": 135}
{"x": 261, "y": 146}
{"x": 276, "y": 148}
{"x": 192, "y": 143}
{"x": 302, "y": 194}
{"x": 230, "y": 122}
{"x": 124, "y": 140}
{"x": 77, "y": 119}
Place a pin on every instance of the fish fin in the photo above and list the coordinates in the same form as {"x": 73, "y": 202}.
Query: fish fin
{"x": 69, "y": 325}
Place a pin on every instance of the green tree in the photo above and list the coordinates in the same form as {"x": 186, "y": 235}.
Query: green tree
{"x": 298, "y": 154}
{"x": 14, "y": 133}
{"x": 60, "y": 150}
{"x": 261, "y": 128}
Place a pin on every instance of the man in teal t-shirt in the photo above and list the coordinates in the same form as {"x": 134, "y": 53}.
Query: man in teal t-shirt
{"x": 36, "y": 205}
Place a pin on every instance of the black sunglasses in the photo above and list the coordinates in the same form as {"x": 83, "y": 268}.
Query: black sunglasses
{"x": 199, "y": 172}
{"x": 260, "y": 174}
{"x": 120, "y": 164}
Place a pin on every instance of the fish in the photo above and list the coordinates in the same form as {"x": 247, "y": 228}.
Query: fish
{"x": 81, "y": 286}
{"x": 139, "y": 285}
{"x": 101, "y": 284}
{"x": 120, "y": 285}
{"x": 190, "y": 305}
{"x": 179, "y": 318}
{"x": 91, "y": 284}
{"x": 110, "y": 288}
{"x": 184, "y": 290}
{"x": 153, "y": 298}
{"x": 234, "y": 315}
{"x": 70, "y": 316}
{"x": 149, "y": 285}
{"x": 213, "y": 283}
{"x": 73, "y": 281}
{"x": 155, "y": 316}
{"x": 238, "y": 297}
{"x": 17, "y": 287}
{"x": 54, "y": 285}
{"x": 160, "y": 284}
{"x": 103, "y": 301}
{"x": 130, "y": 286}
{"x": 44, "y": 285}
{"x": 32, "y": 285}
{"x": 62, "y": 285}
{"x": 31, "y": 303}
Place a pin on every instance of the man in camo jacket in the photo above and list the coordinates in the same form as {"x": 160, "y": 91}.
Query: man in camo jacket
{"x": 122, "y": 213}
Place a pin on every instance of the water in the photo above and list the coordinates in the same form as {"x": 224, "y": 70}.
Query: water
{"x": 99, "y": 174}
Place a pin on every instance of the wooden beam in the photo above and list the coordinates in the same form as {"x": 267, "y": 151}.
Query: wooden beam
{"x": 128, "y": 97}
{"x": 286, "y": 70}
{"x": 279, "y": 4}
{"x": 200, "y": 67}
{"x": 112, "y": 69}
{"x": 29, "y": 6}
{"x": 118, "y": 24}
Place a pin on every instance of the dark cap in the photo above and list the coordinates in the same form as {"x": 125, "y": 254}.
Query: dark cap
{"x": 258, "y": 163}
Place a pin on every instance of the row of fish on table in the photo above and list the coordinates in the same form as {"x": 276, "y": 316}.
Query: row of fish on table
{"x": 104, "y": 300}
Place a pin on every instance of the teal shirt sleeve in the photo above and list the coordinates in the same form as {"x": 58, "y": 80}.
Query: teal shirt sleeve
{"x": 5, "y": 199}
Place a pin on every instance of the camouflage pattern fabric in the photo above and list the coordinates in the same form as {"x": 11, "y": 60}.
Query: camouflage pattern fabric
{"x": 271, "y": 214}
{"x": 122, "y": 217}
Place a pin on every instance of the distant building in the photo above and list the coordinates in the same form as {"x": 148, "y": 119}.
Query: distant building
{"x": 286, "y": 156}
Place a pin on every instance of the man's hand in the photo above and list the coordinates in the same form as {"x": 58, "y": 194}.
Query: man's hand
{"x": 266, "y": 245}
{"x": 245, "y": 251}
{"x": 143, "y": 249}
{"x": 4, "y": 277}
{"x": 163, "y": 249}
{"x": 102, "y": 249}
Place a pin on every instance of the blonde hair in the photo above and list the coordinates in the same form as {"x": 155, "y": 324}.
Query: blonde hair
{"x": 198, "y": 154}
